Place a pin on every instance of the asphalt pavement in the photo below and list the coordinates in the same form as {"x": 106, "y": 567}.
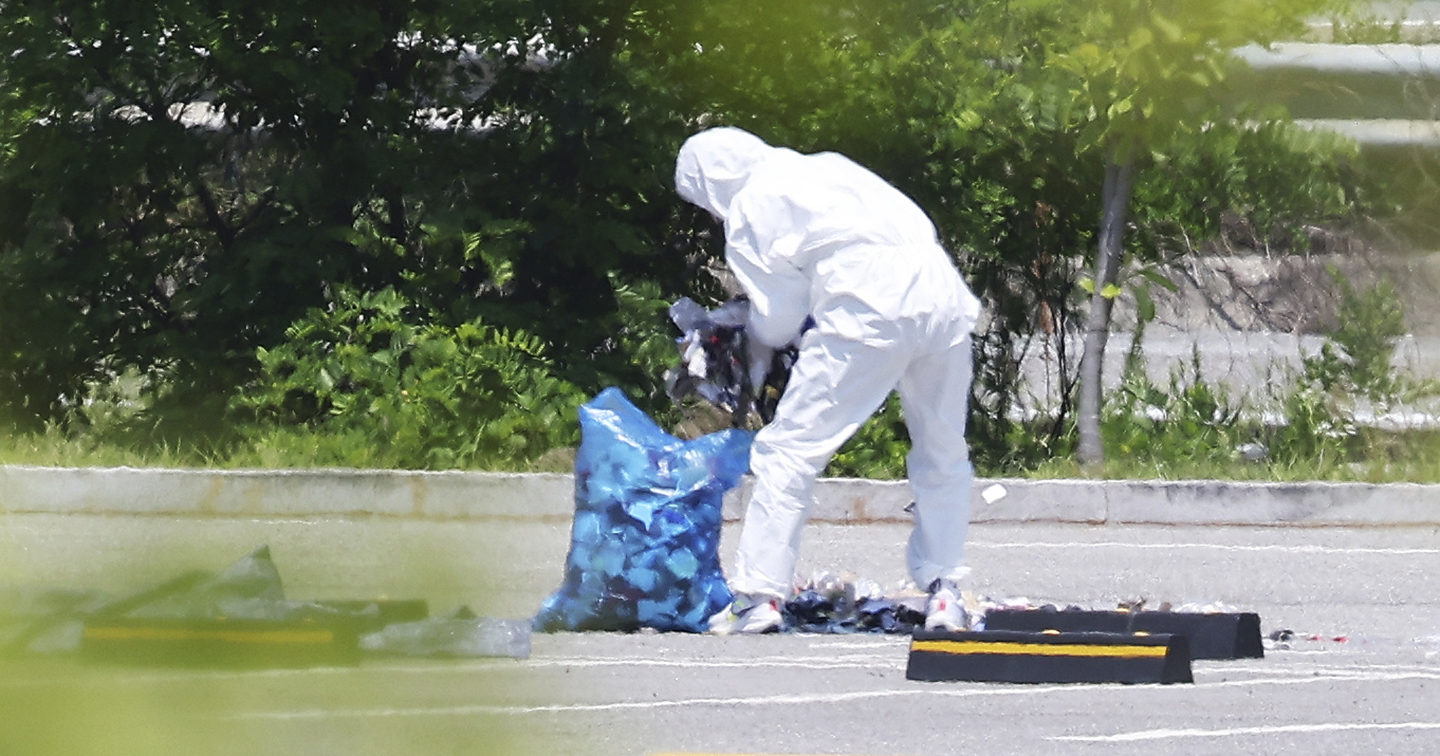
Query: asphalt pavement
{"x": 1361, "y": 673}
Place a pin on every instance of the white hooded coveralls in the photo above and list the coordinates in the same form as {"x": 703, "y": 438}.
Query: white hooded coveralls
{"x": 820, "y": 236}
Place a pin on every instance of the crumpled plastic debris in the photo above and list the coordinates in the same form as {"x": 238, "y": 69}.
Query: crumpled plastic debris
{"x": 893, "y": 616}
{"x": 645, "y": 540}
{"x": 810, "y": 611}
{"x": 250, "y": 588}
{"x": 715, "y": 361}
{"x": 462, "y": 634}
{"x": 1198, "y": 607}
{"x": 833, "y": 604}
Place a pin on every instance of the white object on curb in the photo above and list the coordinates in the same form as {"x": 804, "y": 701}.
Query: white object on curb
{"x": 993, "y": 493}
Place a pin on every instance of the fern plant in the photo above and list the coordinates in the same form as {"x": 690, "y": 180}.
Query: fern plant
{"x": 419, "y": 392}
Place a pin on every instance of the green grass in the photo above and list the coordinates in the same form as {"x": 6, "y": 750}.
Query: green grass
{"x": 1373, "y": 457}
{"x": 284, "y": 449}
{"x": 52, "y": 448}
{"x": 1424, "y": 467}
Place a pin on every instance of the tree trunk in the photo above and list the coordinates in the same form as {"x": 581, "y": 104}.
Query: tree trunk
{"x": 1116, "y": 200}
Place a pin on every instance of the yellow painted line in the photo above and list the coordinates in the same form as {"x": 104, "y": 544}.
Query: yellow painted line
{"x": 230, "y": 636}
{"x": 1035, "y": 649}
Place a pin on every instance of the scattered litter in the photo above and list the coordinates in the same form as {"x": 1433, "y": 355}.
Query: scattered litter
{"x": 830, "y": 604}
{"x": 1287, "y": 639}
{"x": 1252, "y": 452}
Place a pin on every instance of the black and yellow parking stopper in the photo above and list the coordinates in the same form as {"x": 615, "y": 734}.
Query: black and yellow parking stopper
{"x": 369, "y": 615}
{"x": 220, "y": 642}
{"x": 1210, "y": 635}
{"x": 1048, "y": 657}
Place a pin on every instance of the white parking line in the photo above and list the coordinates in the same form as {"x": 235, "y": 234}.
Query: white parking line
{"x": 1217, "y": 667}
{"x": 816, "y": 662}
{"x": 1326, "y": 678}
{"x": 1301, "y": 549}
{"x": 926, "y": 690}
{"x": 448, "y": 667}
{"x": 1144, "y": 735}
{"x": 786, "y": 699}
{"x": 1275, "y": 675}
{"x": 876, "y": 642}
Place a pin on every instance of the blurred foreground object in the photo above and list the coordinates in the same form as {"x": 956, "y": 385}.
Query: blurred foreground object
{"x": 241, "y": 617}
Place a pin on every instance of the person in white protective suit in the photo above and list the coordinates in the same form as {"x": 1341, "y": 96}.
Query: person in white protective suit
{"x": 818, "y": 237}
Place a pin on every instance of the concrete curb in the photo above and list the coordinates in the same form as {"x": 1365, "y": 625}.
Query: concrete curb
{"x": 550, "y": 497}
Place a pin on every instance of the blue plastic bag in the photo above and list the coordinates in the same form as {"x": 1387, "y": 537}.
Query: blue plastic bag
{"x": 645, "y": 542}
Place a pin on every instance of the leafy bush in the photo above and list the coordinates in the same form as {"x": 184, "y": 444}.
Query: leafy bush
{"x": 1279, "y": 179}
{"x": 1356, "y": 357}
{"x": 135, "y": 239}
{"x": 1354, "y": 365}
{"x": 1187, "y": 422}
{"x": 373, "y": 369}
{"x": 878, "y": 448}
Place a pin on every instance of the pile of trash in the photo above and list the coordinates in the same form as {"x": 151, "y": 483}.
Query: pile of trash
{"x": 713, "y": 356}
{"x": 720, "y": 364}
{"x": 645, "y": 540}
{"x": 830, "y": 603}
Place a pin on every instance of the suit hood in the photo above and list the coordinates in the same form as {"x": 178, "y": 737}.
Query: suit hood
{"x": 714, "y": 165}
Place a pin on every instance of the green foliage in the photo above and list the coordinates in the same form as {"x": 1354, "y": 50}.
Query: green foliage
{"x": 878, "y": 449}
{"x": 503, "y": 167}
{"x": 1187, "y": 422}
{"x": 1315, "y": 431}
{"x": 1193, "y": 429}
{"x": 184, "y": 181}
{"x": 1353, "y": 365}
{"x": 419, "y": 394}
{"x": 1363, "y": 26}
{"x": 1144, "y": 72}
{"x": 1357, "y": 357}
{"x": 1270, "y": 175}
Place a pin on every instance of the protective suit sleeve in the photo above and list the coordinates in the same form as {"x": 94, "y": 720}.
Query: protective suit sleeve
{"x": 761, "y": 244}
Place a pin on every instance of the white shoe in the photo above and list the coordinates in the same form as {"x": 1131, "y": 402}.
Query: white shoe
{"x": 749, "y": 615}
{"x": 944, "y": 610}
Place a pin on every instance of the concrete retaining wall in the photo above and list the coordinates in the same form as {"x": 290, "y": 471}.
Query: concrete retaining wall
{"x": 549, "y": 497}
